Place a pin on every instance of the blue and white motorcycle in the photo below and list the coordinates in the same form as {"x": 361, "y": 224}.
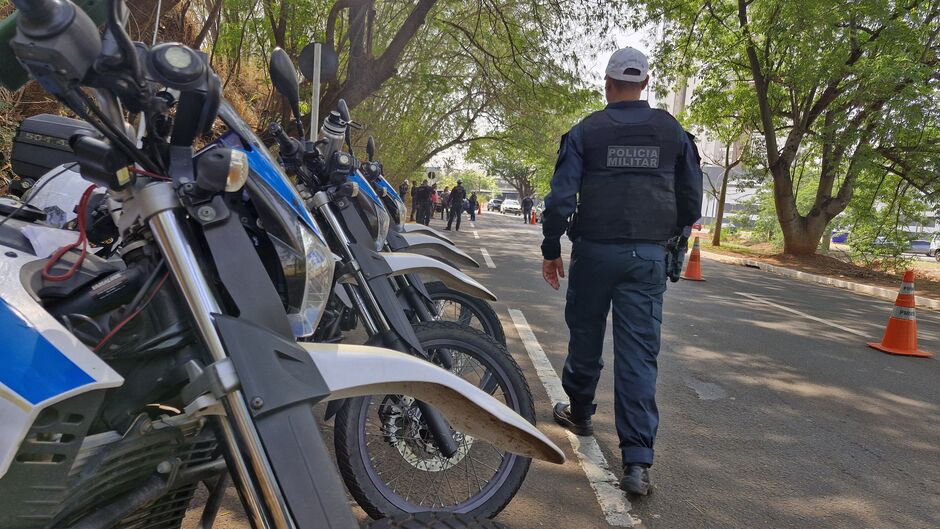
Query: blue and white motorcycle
{"x": 395, "y": 454}
{"x": 149, "y": 350}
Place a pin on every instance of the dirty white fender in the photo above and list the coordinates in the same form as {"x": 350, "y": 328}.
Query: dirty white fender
{"x": 403, "y": 263}
{"x": 419, "y": 242}
{"x": 421, "y": 228}
{"x": 358, "y": 370}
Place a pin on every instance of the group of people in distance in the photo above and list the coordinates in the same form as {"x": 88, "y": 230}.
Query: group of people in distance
{"x": 427, "y": 200}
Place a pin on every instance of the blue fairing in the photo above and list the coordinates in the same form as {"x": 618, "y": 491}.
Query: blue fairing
{"x": 365, "y": 188}
{"x": 382, "y": 182}
{"x": 261, "y": 164}
{"x": 242, "y": 138}
{"x": 32, "y": 367}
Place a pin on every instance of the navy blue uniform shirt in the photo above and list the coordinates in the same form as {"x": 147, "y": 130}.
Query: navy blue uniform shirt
{"x": 561, "y": 203}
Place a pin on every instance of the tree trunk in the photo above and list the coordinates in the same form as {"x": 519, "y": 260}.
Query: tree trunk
{"x": 827, "y": 240}
{"x": 720, "y": 211}
{"x": 210, "y": 22}
{"x": 802, "y": 236}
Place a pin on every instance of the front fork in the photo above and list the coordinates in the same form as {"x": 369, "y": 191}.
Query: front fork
{"x": 257, "y": 485}
{"x": 377, "y": 324}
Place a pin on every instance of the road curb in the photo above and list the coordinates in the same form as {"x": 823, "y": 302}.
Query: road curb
{"x": 868, "y": 290}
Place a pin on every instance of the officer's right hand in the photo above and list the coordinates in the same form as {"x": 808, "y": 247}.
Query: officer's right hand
{"x": 552, "y": 269}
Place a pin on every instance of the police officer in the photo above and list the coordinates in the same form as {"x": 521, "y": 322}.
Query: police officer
{"x": 456, "y": 198}
{"x": 527, "y": 204}
{"x": 422, "y": 201}
{"x": 630, "y": 176}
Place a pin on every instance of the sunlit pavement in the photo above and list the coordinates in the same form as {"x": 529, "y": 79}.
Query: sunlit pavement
{"x": 770, "y": 418}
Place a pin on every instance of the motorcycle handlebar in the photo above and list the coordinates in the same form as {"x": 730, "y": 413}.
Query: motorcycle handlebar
{"x": 287, "y": 145}
{"x": 12, "y": 75}
{"x": 38, "y": 11}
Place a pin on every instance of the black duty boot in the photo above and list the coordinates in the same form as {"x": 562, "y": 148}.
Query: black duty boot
{"x": 577, "y": 425}
{"x": 636, "y": 479}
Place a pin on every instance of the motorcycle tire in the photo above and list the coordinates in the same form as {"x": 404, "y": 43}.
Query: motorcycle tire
{"x": 433, "y": 520}
{"x": 368, "y": 431}
{"x": 467, "y": 308}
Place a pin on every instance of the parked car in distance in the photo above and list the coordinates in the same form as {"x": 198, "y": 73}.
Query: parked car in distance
{"x": 841, "y": 237}
{"x": 494, "y": 205}
{"x": 511, "y": 206}
{"x": 919, "y": 246}
{"x": 934, "y": 246}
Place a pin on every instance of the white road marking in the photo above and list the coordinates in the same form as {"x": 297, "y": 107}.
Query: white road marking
{"x": 606, "y": 487}
{"x": 486, "y": 257}
{"x": 472, "y": 225}
{"x": 475, "y": 234}
{"x": 803, "y": 314}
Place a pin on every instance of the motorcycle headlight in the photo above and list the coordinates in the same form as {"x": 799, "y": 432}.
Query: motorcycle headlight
{"x": 310, "y": 274}
{"x": 402, "y": 210}
{"x": 384, "y": 222}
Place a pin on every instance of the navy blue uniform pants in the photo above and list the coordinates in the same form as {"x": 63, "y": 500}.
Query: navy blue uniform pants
{"x": 631, "y": 277}
{"x": 455, "y": 213}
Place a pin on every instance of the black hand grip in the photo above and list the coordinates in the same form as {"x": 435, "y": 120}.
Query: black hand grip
{"x": 12, "y": 75}
{"x": 287, "y": 145}
{"x": 37, "y": 11}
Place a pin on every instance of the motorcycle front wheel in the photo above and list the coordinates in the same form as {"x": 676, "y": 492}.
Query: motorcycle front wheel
{"x": 431, "y": 520}
{"x": 455, "y": 306}
{"x": 389, "y": 460}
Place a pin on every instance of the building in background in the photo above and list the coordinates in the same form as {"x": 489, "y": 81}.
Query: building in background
{"x": 713, "y": 156}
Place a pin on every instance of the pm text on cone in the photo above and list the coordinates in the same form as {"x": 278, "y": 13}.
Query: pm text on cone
{"x": 900, "y": 336}
{"x": 693, "y": 271}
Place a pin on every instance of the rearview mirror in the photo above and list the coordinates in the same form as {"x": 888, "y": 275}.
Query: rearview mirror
{"x": 284, "y": 77}
{"x": 370, "y": 148}
{"x": 329, "y": 62}
{"x": 343, "y": 110}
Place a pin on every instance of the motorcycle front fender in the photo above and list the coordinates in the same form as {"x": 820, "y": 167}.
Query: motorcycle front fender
{"x": 357, "y": 370}
{"x": 402, "y": 263}
{"x": 421, "y": 228}
{"x": 420, "y": 241}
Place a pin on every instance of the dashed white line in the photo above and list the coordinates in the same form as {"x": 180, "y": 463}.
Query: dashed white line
{"x": 612, "y": 501}
{"x": 486, "y": 257}
{"x": 803, "y": 314}
{"x": 475, "y": 234}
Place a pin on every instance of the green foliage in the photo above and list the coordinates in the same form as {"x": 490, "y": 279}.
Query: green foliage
{"x": 849, "y": 88}
{"x": 884, "y": 206}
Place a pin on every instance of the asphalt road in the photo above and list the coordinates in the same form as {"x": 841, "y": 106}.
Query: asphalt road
{"x": 770, "y": 417}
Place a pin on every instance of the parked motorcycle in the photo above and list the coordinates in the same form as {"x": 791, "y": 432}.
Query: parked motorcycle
{"x": 169, "y": 359}
{"x": 447, "y": 304}
{"x": 390, "y": 448}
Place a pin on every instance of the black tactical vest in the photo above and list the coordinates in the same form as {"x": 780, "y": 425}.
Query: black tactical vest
{"x": 628, "y": 181}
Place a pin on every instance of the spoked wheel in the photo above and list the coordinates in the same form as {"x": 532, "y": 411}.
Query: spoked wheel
{"x": 388, "y": 458}
{"x": 455, "y": 306}
{"x": 431, "y": 520}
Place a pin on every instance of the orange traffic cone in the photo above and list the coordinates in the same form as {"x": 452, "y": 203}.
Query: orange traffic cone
{"x": 693, "y": 271}
{"x": 901, "y": 333}
{"x": 532, "y": 218}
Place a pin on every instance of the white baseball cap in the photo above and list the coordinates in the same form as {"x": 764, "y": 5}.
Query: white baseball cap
{"x": 628, "y": 64}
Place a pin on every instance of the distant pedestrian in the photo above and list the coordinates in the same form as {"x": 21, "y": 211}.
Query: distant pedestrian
{"x": 472, "y": 208}
{"x": 423, "y": 203}
{"x": 404, "y": 188}
{"x": 457, "y": 196}
{"x": 527, "y": 204}
{"x": 435, "y": 200}
{"x": 414, "y": 205}
{"x": 445, "y": 196}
